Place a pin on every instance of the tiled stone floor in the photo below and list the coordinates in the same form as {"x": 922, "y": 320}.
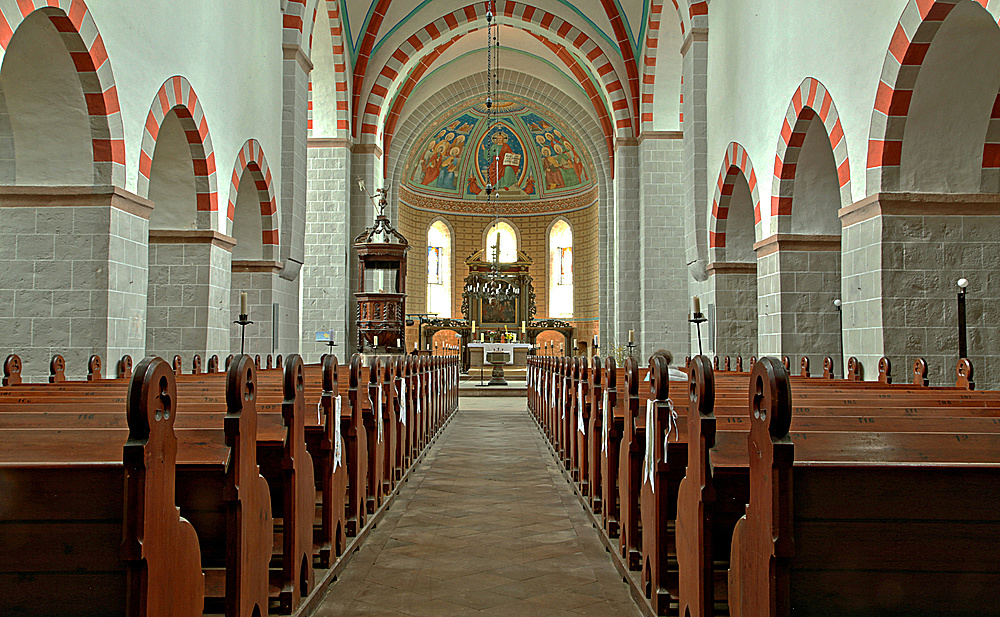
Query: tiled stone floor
{"x": 485, "y": 526}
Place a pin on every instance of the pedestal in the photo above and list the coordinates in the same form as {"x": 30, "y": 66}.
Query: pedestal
{"x": 497, "y": 359}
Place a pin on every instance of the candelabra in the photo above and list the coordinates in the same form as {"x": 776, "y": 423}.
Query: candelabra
{"x": 697, "y": 319}
{"x": 243, "y": 321}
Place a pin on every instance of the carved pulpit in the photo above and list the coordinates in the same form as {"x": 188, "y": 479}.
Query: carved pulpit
{"x": 382, "y": 281}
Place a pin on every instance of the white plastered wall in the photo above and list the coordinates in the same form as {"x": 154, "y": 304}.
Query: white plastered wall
{"x": 230, "y": 54}
{"x": 759, "y": 53}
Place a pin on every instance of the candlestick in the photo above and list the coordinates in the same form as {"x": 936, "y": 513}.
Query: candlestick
{"x": 244, "y": 320}
{"x": 631, "y": 336}
{"x": 243, "y": 303}
{"x": 696, "y": 304}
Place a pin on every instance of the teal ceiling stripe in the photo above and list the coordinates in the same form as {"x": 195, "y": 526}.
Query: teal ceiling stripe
{"x": 361, "y": 32}
{"x": 604, "y": 35}
{"x": 400, "y": 25}
{"x": 628, "y": 27}
{"x": 352, "y": 51}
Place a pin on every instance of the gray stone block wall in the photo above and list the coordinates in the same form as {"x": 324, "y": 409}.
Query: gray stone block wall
{"x": 922, "y": 258}
{"x": 735, "y": 300}
{"x": 797, "y": 316}
{"x": 188, "y": 305}
{"x": 626, "y": 255}
{"x": 325, "y": 275}
{"x": 73, "y": 277}
{"x": 861, "y": 292}
{"x": 664, "y": 296}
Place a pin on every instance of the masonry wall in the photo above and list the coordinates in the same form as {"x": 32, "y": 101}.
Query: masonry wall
{"x": 663, "y": 270}
{"x": 73, "y": 279}
{"x": 907, "y": 253}
{"x": 326, "y": 302}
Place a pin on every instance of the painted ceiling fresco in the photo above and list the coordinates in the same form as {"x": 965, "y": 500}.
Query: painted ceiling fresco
{"x": 526, "y": 155}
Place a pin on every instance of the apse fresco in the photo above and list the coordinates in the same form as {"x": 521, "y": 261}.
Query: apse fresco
{"x": 438, "y": 165}
{"x": 562, "y": 165}
{"x": 524, "y": 153}
{"x": 500, "y": 160}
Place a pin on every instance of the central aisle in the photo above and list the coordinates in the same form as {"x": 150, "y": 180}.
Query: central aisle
{"x": 485, "y": 526}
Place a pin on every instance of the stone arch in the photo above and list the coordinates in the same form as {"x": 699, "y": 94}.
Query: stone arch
{"x": 902, "y": 103}
{"x": 736, "y": 166}
{"x": 650, "y": 66}
{"x": 329, "y": 82}
{"x": 84, "y": 44}
{"x": 811, "y": 102}
{"x": 468, "y": 19}
{"x": 178, "y": 97}
{"x": 251, "y": 160}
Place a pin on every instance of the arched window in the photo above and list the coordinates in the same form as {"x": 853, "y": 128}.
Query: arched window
{"x": 561, "y": 270}
{"x": 501, "y": 232}
{"x": 439, "y": 269}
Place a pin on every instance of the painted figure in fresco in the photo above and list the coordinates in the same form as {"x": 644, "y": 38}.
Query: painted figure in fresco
{"x": 581, "y": 172}
{"x": 550, "y": 165}
{"x": 504, "y": 164}
{"x": 446, "y": 178}
{"x": 566, "y": 167}
{"x": 432, "y": 166}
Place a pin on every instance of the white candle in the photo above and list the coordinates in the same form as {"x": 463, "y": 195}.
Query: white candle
{"x": 631, "y": 336}
{"x": 243, "y": 303}
{"x": 524, "y": 327}
{"x": 473, "y": 327}
{"x": 697, "y": 304}
{"x": 397, "y": 343}
{"x": 376, "y": 341}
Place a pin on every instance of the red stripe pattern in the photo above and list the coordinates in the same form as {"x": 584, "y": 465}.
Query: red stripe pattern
{"x": 736, "y": 163}
{"x": 469, "y": 19}
{"x": 908, "y": 47}
{"x": 251, "y": 160}
{"x": 75, "y": 24}
{"x": 810, "y": 102}
{"x": 176, "y": 95}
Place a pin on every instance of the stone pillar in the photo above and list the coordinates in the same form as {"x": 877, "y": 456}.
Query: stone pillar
{"x": 188, "y": 301}
{"x": 325, "y": 275}
{"x": 663, "y": 271}
{"x": 294, "y": 137}
{"x": 732, "y": 290}
{"x": 258, "y": 279}
{"x": 694, "y": 71}
{"x": 73, "y": 276}
{"x": 798, "y": 280}
{"x": 627, "y": 256}
{"x": 903, "y": 253}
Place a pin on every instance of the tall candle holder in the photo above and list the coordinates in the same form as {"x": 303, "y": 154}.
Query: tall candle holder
{"x": 243, "y": 321}
{"x": 963, "y": 349}
{"x": 631, "y": 348}
{"x": 697, "y": 319}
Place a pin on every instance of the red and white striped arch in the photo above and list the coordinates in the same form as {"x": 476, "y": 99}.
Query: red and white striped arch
{"x": 251, "y": 161}
{"x": 470, "y": 18}
{"x": 75, "y": 24}
{"x": 991, "y": 152}
{"x": 908, "y": 47}
{"x": 569, "y": 60}
{"x": 649, "y": 64}
{"x": 177, "y": 95}
{"x": 810, "y": 102}
{"x": 736, "y": 162}
{"x": 340, "y": 68}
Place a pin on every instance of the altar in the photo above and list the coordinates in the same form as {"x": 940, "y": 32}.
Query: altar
{"x": 517, "y": 353}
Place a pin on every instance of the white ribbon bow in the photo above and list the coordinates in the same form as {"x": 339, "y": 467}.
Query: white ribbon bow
{"x": 608, "y": 417}
{"x": 337, "y": 450}
{"x": 402, "y": 401}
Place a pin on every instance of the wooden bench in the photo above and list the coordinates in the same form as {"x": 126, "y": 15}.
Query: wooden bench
{"x": 63, "y": 525}
{"x": 834, "y": 525}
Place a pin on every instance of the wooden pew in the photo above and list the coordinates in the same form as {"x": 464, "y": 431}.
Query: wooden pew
{"x": 823, "y": 534}
{"x": 613, "y": 426}
{"x": 92, "y": 528}
{"x": 595, "y": 430}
